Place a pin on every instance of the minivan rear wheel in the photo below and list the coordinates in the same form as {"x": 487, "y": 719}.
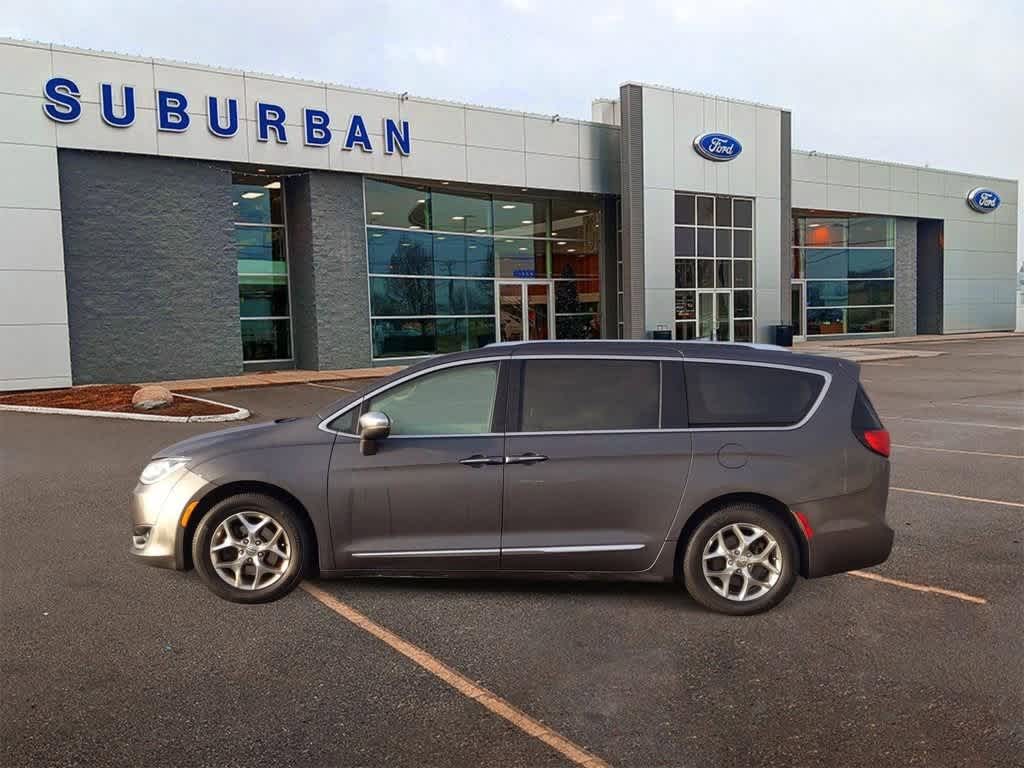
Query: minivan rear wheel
{"x": 250, "y": 548}
{"x": 740, "y": 560}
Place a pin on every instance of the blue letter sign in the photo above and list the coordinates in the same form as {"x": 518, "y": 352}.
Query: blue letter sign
{"x": 983, "y": 200}
{"x": 62, "y": 100}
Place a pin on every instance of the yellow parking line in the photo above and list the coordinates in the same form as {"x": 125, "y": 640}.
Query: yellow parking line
{"x": 920, "y": 587}
{"x": 961, "y": 498}
{"x": 460, "y": 682}
{"x": 954, "y": 450}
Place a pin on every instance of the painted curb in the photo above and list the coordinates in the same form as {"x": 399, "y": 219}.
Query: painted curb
{"x": 238, "y": 415}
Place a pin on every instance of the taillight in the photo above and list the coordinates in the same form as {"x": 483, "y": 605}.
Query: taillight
{"x": 877, "y": 440}
{"x": 867, "y": 426}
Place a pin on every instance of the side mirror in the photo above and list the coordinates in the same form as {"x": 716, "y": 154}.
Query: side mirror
{"x": 373, "y": 426}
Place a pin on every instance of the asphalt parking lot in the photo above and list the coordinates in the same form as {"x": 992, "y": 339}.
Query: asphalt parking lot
{"x": 107, "y": 662}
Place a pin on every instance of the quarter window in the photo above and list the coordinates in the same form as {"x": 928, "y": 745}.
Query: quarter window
{"x": 731, "y": 395}
{"x": 452, "y": 401}
{"x": 584, "y": 395}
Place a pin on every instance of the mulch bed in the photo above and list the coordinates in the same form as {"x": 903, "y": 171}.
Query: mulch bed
{"x": 109, "y": 397}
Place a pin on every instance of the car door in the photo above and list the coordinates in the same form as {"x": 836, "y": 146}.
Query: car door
{"x": 429, "y": 498}
{"x": 596, "y": 463}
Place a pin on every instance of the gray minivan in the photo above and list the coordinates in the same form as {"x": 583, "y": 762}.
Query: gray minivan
{"x": 729, "y": 468}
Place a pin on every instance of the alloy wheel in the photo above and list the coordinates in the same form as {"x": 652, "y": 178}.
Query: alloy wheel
{"x": 250, "y": 550}
{"x": 742, "y": 562}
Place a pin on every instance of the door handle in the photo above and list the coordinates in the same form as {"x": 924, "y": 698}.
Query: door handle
{"x": 479, "y": 460}
{"x": 526, "y": 458}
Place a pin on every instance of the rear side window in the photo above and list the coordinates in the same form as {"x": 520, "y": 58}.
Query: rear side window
{"x": 865, "y": 417}
{"x": 737, "y": 395}
{"x": 578, "y": 395}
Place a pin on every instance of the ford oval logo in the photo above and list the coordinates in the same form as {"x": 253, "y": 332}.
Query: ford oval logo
{"x": 983, "y": 200}
{"x": 717, "y": 146}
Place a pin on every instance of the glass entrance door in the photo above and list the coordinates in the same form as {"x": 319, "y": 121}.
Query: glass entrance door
{"x": 798, "y": 299}
{"x": 714, "y": 315}
{"x": 524, "y": 311}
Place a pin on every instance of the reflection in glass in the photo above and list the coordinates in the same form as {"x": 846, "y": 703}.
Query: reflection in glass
{"x": 538, "y": 304}
{"x": 266, "y": 340}
{"x": 424, "y": 336}
{"x": 576, "y": 296}
{"x": 397, "y": 205}
{"x": 743, "y": 213}
{"x": 263, "y": 295}
{"x": 706, "y": 211}
{"x": 723, "y": 319}
{"x": 510, "y": 311}
{"x": 723, "y": 244}
{"x": 521, "y": 217}
{"x": 463, "y": 212}
{"x": 742, "y": 244}
{"x": 743, "y": 274}
{"x": 686, "y": 305}
{"x": 686, "y": 242}
{"x": 723, "y": 273}
{"x": 869, "y": 320}
{"x": 252, "y": 202}
{"x": 577, "y": 326}
{"x": 723, "y": 212}
{"x": 686, "y": 331}
{"x": 260, "y": 250}
{"x": 523, "y": 259}
{"x": 825, "y": 321}
{"x": 686, "y": 273}
{"x": 394, "y": 296}
{"x": 400, "y": 253}
{"x": 706, "y": 273}
{"x": 743, "y": 330}
{"x": 744, "y": 303}
{"x": 705, "y": 243}
{"x": 685, "y": 209}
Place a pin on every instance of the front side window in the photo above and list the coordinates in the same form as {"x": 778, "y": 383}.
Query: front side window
{"x": 583, "y": 395}
{"x": 731, "y": 395}
{"x": 452, "y": 401}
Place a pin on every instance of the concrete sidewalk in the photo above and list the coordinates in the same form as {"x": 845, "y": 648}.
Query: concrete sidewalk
{"x": 892, "y": 347}
{"x": 273, "y": 378}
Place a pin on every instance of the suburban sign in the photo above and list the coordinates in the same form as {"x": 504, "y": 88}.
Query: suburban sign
{"x": 983, "y": 200}
{"x": 717, "y": 146}
{"x": 63, "y": 105}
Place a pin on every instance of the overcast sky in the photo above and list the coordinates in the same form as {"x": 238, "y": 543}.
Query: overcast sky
{"x": 937, "y": 82}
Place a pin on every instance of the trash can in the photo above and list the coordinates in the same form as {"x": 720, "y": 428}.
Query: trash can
{"x": 782, "y": 335}
{"x": 662, "y": 334}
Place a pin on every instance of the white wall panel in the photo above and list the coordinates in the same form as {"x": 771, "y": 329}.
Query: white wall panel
{"x": 931, "y": 182}
{"x": 32, "y": 297}
{"x": 24, "y": 121}
{"x": 35, "y": 168}
{"x": 767, "y": 157}
{"x": 90, "y": 132}
{"x": 30, "y": 239}
{"x": 551, "y": 171}
{"x": 342, "y": 104}
{"x": 198, "y": 142}
{"x": 599, "y": 141}
{"x": 599, "y": 176}
{"x": 495, "y": 166}
{"x": 545, "y": 136}
{"x": 659, "y": 242}
{"x": 690, "y": 168}
{"x": 88, "y": 70}
{"x": 904, "y": 179}
{"x": 875, "y": 175}
{"x": 659, "y": 139}
{"x": 34, "y": 356}
{"x": 291, "y": 95}
{"x": 293, "y": 153}
{"x": 843, "y": 172}
{"x": 843, "y": 198}
{"x": 875, "y": 201}
{"x": 357, "y": 161}
{"x": 436, "y": 160}
{"x": 808, "y": 194}
{"x": 25, "y": 68}
{"x": 435, "y": 122}
{"x": 495, "y": 130}
{"x": 198, "y": 84}
{"x": 810, "y": 168}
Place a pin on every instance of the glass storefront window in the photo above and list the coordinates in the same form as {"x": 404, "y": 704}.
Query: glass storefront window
{"x": 417, "y": 235}
{"x": 262, "y": 260}
{"x": 848, "y": 263}
{"x": 463, "y": 212}
{"x": 393, "y": 205}
{"x": 714, "y": 250}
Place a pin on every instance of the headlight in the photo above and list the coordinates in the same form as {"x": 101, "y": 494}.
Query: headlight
{"x": 157, "y": 470}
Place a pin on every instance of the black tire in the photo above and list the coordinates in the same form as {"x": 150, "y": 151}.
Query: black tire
{"x": 295, "y": 535}
{"x": 742, "y": 514}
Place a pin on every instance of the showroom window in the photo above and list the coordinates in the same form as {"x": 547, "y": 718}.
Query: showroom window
{"x": 439, "y": 256}
{"x": 845, "y": 265}
{"x": 714, "y": 267}
{"x": 263, "y": 293}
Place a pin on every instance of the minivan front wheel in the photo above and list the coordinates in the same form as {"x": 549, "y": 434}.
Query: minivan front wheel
{"x": 740, "y": 560}
{"x": 250, "y": 548}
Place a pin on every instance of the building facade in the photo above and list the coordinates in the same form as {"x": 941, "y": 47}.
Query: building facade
{"x": 165, "y": 220}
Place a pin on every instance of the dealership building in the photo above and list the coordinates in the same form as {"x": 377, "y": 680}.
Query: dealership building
{"x": 163, "y": 220}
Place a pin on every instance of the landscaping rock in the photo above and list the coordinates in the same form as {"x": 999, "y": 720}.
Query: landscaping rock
{"x": 148, "y": 398}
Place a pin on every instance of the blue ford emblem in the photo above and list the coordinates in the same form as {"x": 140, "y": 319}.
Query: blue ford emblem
{"x": 717, "y": 146}
{"x": 983, "y": 200}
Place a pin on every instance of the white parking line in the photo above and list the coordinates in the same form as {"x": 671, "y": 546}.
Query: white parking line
{"x": 954, "y": 450}
{"x": 954, "y": 423}
{"x": 920, "y": 587}
{"x": 961, "y": 498}
{"x": 1016, "y": 406}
